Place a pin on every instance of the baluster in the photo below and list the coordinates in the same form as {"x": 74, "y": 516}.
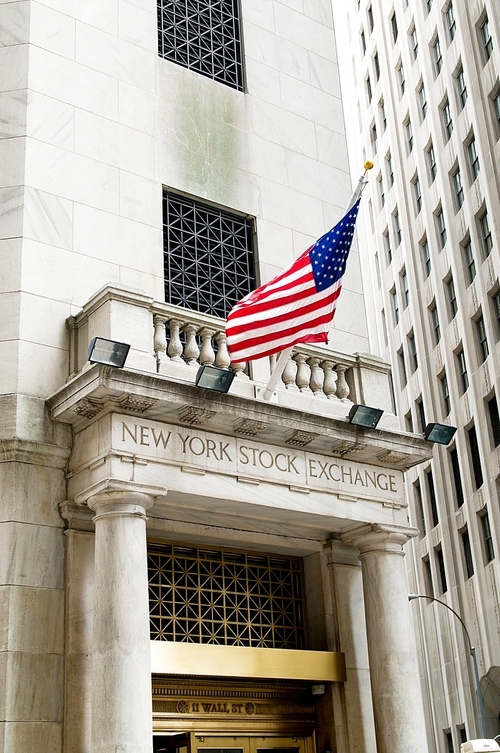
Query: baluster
{"x": 175, "y": 345}
{"x": 342, "y": 386}
{"x": 303, "y": 373}
{"x": 207, "y": 355}
{"x": 289, "y": 374}
{"x": 160, "y": 337}
{"x": 239, "y": 369}
{"x": 329, "y": 383}
{"x": 222, "y": 359}
{"x": 317, "y": 377}
{"x": 191, "y": 349}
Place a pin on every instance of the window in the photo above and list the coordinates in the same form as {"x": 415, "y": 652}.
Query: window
{"x": 489, "y": 552}
{"x": 431, "y": 161}
{"x": 208, "y": 256}
{"x": 451, "y": 24}
{"x": 419, "y": 508}
{"x": 414, "y": 43}
{"x": 486, "y": 40}
{"x": 482, "y": 340}
{"x": 462, "y": 370}
{"x": 445, "y": 391}
{"x": 467, "y": 552}
{"x": 432, "y": 498}
{"x": 387, "y": 246}
{"x": 461, "y": 87}
{"x": 495, "y": 99}
{"x": 449, "y": 742}
{"x": 368, "y": 89}
{"x": 409, "y": 136}
{"x": 402, "y": 368}
{"x": 457, "y": 477}
{"x": 397, "y": 227}
{"x": 204, "y": 37}
{"x": 394, "y": 27}
{"x": 470, "y": 264}
{"x": 428, "y": 5}
{"x": 390, "y": 171}
{"x": 412, "y": 350}
{"x": 475, "y": 457}
{"x": 458, "y": 188}
{"x": 417, "y": 194}
{"x": 383, "y": 116}
{"x": 438, "y": 57}
{"x": 441, "y": 569}
{"x": 496, "y": 310}
{"x": 441, "y": 228}
{"x": 423, "y": 101}
{"x": 447, "y": 121}
{"x": 395, "y": 305}
{"x": 409, "y": 422}
{"x": 401, "y": 77}
{"x": 404, "y": 288}
{"x": 373, "y": 137}
{"x": 452, "y": 298}
{"x": 426, "y": 257}
{"x": 381, "y": 190}
{"x": 436, "y": 329}
{"x": 494, "y": 420}
{"x": 363, "y": 42}
{"x": 463, "y": 734}
{"x": 421, "y": 413}
{"x": 376, "y": 66}
{"x": 473, "y": 158}
{"x": 369, "y": 13}
{"x": 485, "y": 233}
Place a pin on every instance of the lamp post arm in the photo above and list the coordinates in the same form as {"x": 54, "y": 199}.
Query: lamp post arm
{"x": 480, "y": 703}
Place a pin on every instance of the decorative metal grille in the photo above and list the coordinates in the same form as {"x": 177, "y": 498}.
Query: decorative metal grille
{"x": 208, "y": 256}
{"x": 225, "y": 597}
{"x": 204, "y": 36}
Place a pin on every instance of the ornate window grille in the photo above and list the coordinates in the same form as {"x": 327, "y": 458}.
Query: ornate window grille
{"x": 208, "y": 256}
{"x": 204, "y": 36}
{"x": 231, "y": 598}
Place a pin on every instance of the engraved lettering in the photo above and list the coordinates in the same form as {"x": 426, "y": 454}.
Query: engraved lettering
{"x": 371, "y": 479}
{"x": 184, "y": 441}
{"x": 312, "y": 468}
{"x": 392, "y": 483}
{"x": 345, "y": 473}
{"x": 291, "y": 461}
{"x": 245, "y": 460}
{"x": 254, "y": 453}
{"x": 127, "y": 429}
{"x": 195, "y": 707}
{"x": 207, "y": 707}
{"x": 261, "y": 459}
{"x": 144, "y": 435}
{"x": 223, "y": 451}
{"x": 201, "y": 445}
{"x": 330, "y": 470}
{"x": 280, "y": 455}
{"x": 323, "y": 469}
{"x": 211, "y": 448}
{"x": 237, "y": 708}
{"x": 383, "y": 486}
{"x": 160, "y": 437}
{"x": 358, "y": 478}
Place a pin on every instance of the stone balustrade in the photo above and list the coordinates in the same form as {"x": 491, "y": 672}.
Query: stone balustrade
{"x": 174, "y": 341}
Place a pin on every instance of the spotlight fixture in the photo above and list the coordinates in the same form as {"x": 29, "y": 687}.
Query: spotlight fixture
{"x": 108, "y": 352}
{"x": 439, "y": 433}
{"x": 362, "y": 415}
{"x": 213, "y": 378}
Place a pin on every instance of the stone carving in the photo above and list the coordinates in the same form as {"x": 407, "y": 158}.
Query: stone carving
{"x": 182, "y": 707}
{"x": 195, "y": 416}
{"x": 88, "y": 407}
{"x": 250, "y": 708}
{"x": 393, "y": 458}
{"x": 298, "y": 438}
{"x": 248, "y": 427}
{"x": 341, "y": 449}
{"x": 137, "y": 404}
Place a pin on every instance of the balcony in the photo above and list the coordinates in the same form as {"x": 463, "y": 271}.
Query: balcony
{"x": 171, "y": 341}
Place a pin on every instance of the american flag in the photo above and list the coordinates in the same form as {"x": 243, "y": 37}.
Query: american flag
{"x": 296, "y": 306}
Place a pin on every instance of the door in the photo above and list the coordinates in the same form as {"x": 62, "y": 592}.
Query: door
{"x": 254, "y": 744}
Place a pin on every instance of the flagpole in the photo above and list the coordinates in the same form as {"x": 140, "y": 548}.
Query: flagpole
{"x": 285, "y": 354}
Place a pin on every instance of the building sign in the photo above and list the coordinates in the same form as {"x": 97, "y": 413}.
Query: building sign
{"x": 252, "y": 460}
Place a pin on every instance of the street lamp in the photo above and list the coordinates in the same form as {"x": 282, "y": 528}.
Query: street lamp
{"x": 472, "y": 650}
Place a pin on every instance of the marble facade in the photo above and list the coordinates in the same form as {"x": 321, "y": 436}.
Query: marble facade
{"x": 93, "y": 126}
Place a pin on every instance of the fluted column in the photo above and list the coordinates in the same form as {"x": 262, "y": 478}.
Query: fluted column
{"x": 397, "y": 698}
{"x": 121, "y": 671}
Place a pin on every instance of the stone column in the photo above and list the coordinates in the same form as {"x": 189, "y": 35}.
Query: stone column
{"x": 121, "y": 671}
{"x": 397, "y": 698}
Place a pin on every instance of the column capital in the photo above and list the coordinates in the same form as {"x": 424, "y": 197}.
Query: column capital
{"x": 379, "y": 537}
{"x": 125, "y": 496}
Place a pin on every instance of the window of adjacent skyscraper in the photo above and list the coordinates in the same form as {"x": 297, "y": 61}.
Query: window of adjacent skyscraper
{"x": 446, "y": 395}
{"x": 414, "y": 42}
{"x": 383, "y": 116}
{"x": 469, "y": 261}
{"x": 204, "y": 36}
{"x": 485, "y": 232}
{"x": 432, "y": 498}
{"x": 441, "y": 570}
{"x": 475, "y": 457}
{"x": 473, "y": 158}
{"x": 426, "y": 257}
{"x": 436, "y": 328}
{"x": 489, "y": 551}
{"x": 447, "y": 121}
{"x": 395, "y": 306}
{"x": 462, "y": 371}
{"x": 208, "y": 256}
{"x": 494, "y": 420}
{"x": 431, "y": 159}
{"x": 409, "y": 136}
{"x": 450, "y": 22}
{"x": 368, "y": 89}
{"x": 486, "y": 40}
{"x": 412, "y": 350}
{"x": 458, "y": 188}
{"x": 417, "y": 193}
{"x": 428, "y": 4}
{"x": 381, "y": 190}
{"x": 452, "y": 298}
{"x": 394, "y": 27}
{"x": 369, "y": 13}
{"x": 363, "y": 42}
{"x": 397, "y": 227}
{"x": 495, "y": 99}
{"x": 405, "y": 290}
{"x": 461, "y": 88}
{"x": 390, "y": 170}
{"x": 457, "y": 477}
{"x": 376, "y": 66}
{"x": 401, "y": 75}
{"x": 482, "y": 339}
{"x": 441, "y": 228}
{"x": 469, "y": 565}
{"x": 423, "y": 101}
{"x": 438, "y": 57}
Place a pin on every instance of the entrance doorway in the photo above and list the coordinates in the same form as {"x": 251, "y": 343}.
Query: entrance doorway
{"x": 195, "y": 743}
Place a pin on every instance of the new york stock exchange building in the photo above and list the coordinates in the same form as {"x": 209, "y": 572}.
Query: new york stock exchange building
{"x": 183, "y": 570}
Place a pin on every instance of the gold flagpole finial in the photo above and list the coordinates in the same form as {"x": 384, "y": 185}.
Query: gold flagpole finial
{"x": 368, "y": 165}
